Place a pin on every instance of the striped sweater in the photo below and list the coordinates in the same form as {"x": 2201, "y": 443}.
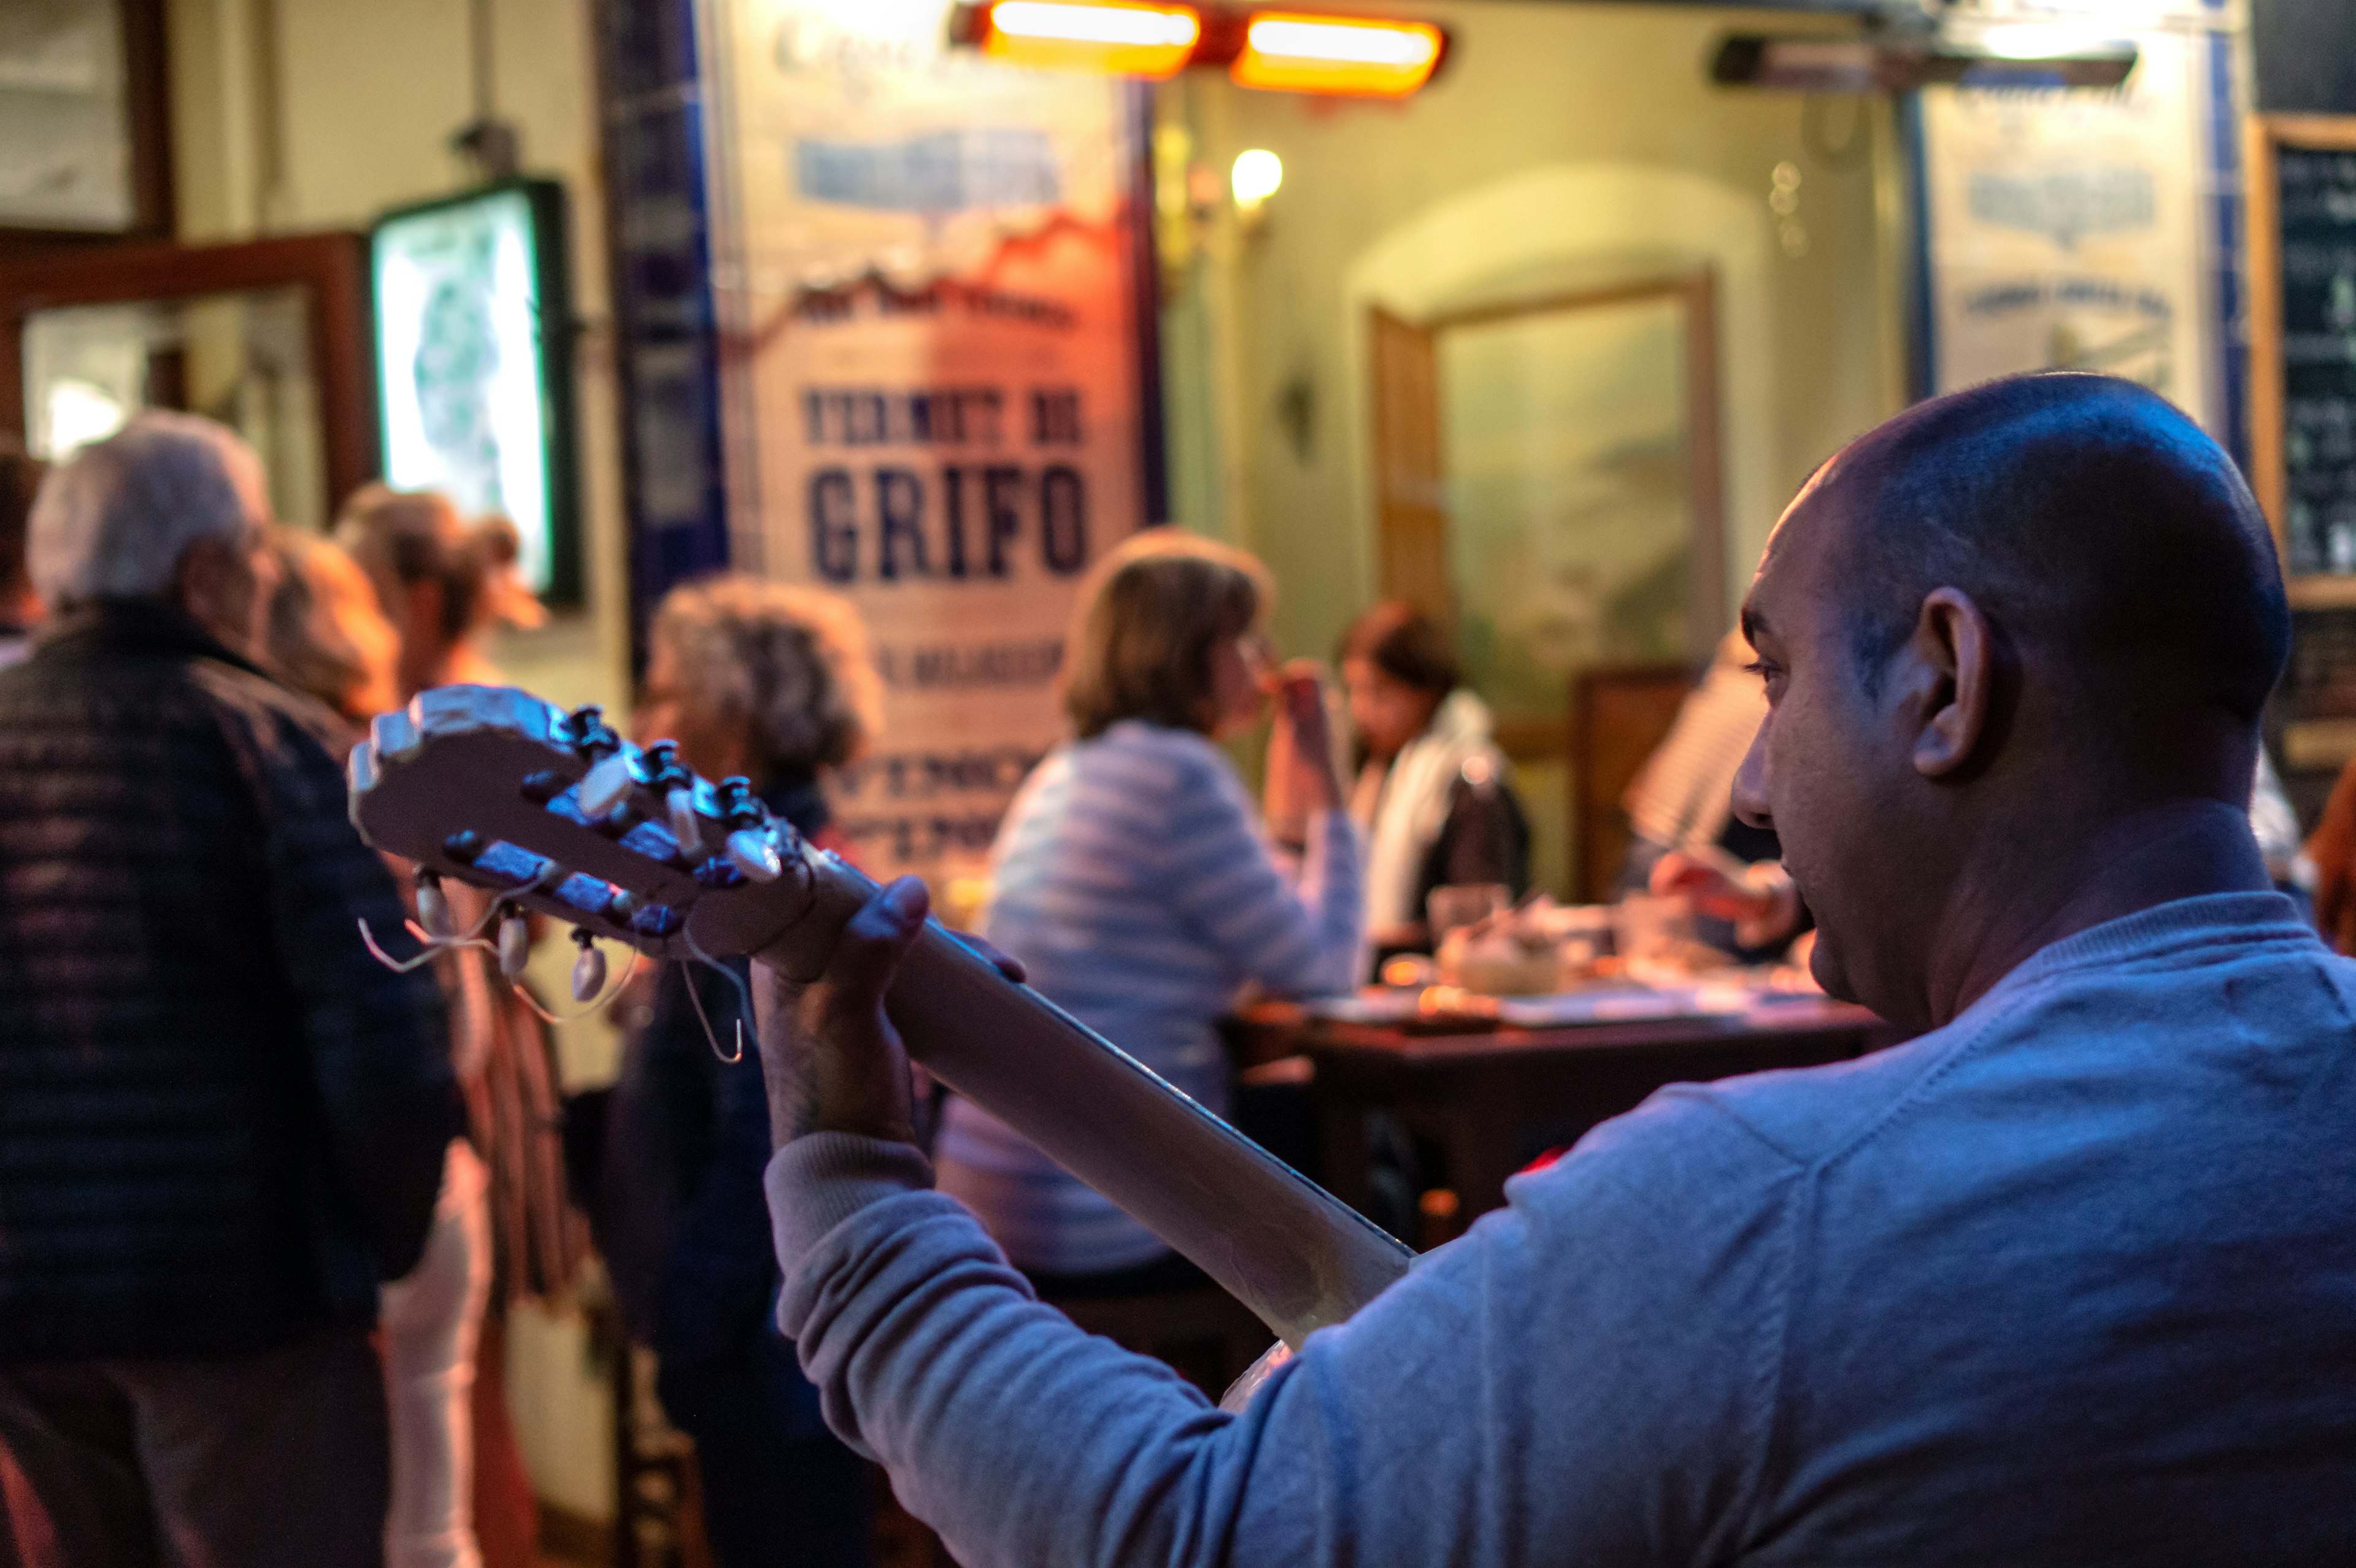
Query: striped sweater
{"x": 1131, "y": 880}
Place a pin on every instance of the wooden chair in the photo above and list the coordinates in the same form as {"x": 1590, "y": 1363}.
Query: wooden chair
{"x": 1617, "y": 716}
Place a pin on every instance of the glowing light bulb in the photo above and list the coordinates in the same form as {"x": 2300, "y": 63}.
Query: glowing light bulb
{"x": 1256, "y": 177}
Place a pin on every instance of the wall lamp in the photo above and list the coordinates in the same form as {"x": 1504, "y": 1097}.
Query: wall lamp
{"x": 1281, "y": 51}
{"x": 2019, "y": 56}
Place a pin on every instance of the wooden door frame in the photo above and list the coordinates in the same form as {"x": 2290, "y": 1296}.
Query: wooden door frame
{"x": 1697, "y": 290}
{"x": 332, "y": 268}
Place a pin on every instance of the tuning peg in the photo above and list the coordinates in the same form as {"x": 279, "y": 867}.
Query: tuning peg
{"x": 589, "y": 969}
{"x": 753, "y": 852}
{"x": 657, "y": 920}
{"x": 592, "y": 736}
{"x": 684, "y": 825}
{"x": 432, "y": 905}
{"x": 515, "y": 943}
{"x": 735, "y": 800}
{"x": 608, "y": 784}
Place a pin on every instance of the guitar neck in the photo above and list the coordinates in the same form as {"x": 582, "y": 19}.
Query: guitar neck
{"x": 1286, "y": 1248}
{"x": 486, "y": 785}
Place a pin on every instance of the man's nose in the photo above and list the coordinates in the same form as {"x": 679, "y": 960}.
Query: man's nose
{"x": 1750, "y": 785}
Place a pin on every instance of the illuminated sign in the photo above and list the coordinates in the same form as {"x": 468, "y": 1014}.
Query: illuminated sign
{"x": 474, "y": 365}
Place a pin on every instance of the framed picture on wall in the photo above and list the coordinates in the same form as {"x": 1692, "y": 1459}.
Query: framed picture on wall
{"x": 84, "y": 121}
{"x": 471, "y": 298}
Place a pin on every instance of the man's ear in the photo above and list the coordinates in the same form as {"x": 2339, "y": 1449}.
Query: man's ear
{"x": 196, "y": 580}
{"x": 1957, "y": 654}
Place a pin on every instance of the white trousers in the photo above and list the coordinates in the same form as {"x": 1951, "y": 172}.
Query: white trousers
{"x": 432, "y": 1320}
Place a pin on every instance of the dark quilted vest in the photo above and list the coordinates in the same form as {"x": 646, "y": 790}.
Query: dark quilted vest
{"x": 219, "y": 1120}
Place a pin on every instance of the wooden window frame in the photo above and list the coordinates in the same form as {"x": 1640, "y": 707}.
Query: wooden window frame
{"x": 331, "y": 268}
{"x": 1406, "y": 548}
{"x": 147, "y": 109}
{"x": 1411, "y": 543}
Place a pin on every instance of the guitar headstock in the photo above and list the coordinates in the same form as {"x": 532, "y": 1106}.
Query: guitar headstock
{"x": 555, "y": 813}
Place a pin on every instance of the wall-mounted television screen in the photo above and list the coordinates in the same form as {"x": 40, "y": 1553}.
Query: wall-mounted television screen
{"x": 474, "y": 356}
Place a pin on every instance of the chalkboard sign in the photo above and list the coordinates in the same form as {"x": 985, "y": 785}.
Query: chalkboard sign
{"x": 2303, "y": 346}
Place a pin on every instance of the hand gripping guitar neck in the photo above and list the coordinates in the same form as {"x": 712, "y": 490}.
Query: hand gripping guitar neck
{"x": 554, "y": 812}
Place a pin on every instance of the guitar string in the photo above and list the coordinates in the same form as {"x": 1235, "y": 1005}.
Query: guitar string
{"x": 710, "y": 1038}
{"x": 606, "y": 998}
{"x": 433, "y": 945}
{"x": 743, "y": 994}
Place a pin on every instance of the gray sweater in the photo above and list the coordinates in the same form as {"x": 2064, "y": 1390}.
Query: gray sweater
{"x": 2072, "y": 1280}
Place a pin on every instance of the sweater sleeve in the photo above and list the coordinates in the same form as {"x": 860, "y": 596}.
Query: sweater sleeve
{"x": 1587, "y": 1376}
{"x": 1294, "y": 937}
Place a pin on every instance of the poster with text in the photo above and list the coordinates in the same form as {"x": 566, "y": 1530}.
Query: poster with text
{"x": 930, "y": 378}
{"x": 2066, "y": 229}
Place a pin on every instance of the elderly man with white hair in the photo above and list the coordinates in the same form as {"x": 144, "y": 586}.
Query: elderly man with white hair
{"x": 221, "y": 1124}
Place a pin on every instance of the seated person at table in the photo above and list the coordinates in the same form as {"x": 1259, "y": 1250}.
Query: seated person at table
{"x": 1433, "y": 796}
{"x": 1684, "y": 836}
{"x": 1132, "y": 879}
{"x": 2069, "y": 1278}
{"x": 772, "y": 683}
{"x": 1688, "y": 841}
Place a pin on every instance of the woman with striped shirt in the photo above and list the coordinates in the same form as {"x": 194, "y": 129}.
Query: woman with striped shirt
{"x": 1133, "y": 881}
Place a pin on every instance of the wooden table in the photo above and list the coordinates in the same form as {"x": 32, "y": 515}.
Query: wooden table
{"x": 1494, "y": 1100}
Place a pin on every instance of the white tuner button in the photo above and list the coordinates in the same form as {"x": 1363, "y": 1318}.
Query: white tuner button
{"x": 753, "y": 852}
{"x": 606, "y": 785}
{"x": 683, "y": 824}
{"x": 514, "y": 946}
{"x": 588, "y": 973}
{"x": 433, "y": 906}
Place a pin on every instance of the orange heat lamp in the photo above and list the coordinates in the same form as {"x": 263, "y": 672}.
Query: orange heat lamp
{"x": 1287, "y": 51}
{"x": 1282, "y": 51}
{"x": 1114, "y": 36}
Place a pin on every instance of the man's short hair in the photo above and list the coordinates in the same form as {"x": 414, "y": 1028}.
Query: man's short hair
{"x": 2082, "y": 511}
{"x": 113, "y": 520}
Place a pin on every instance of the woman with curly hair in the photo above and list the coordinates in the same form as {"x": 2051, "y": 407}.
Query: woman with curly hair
{"x": 772, "y": 683}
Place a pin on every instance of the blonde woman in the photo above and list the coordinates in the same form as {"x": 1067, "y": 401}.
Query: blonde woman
{"x": 325, "y": 637}
{"x": 1133, "y": 881}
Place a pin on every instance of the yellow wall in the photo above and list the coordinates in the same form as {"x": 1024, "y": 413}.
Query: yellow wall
{"x": 1562, "y": 145}
{"x": 292, "y": 115}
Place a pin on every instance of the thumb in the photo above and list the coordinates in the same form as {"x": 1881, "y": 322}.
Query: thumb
{"x": 872, "y": 945}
